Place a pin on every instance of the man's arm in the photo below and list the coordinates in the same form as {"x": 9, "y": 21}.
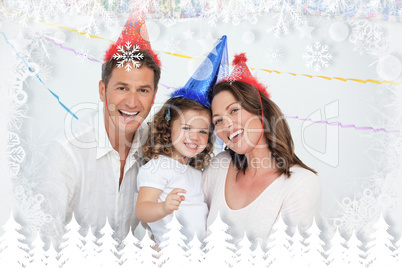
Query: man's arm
{"x": 57, "y": 186}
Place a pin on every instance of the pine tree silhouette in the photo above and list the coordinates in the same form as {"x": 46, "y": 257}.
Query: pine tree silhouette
{"x": 129, "y": 254}
{"x": 380, "y": 249}
{"x": 278, "y": 247}
{"x": 297, "y": 250}
{"x": 354, "y": 255}
{"x": 13, "y": 251}
{"x": 71, "y": 247}
{"x": 38, "y": 254}
{"x": 90, "y": 250}
{"x": 51, "y": 257}
{"x": 337, "y": 252}
{"x": 244, "y": 253}
{"x": 173, "y": 247}
{"x": 398, "y": 253}
{"x": 147, "y": 254}
{"x": 259, "y": 259}
{"x": 219, "y": 251}
{"x": 107, "y": 254}
{"x": 314, "y": 248}
{"x": 195, "y": 255}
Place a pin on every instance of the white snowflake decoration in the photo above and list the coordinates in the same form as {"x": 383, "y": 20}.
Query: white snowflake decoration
{"x": 287, "y": 15}
{"x": 85, "y": 55}
{"x": 172, "y": 45}
{"x": 274, "y": 55}
{"x": 366, "y": 36}
{"x": 317, "y": 56}
{"x": 128, "y": 54}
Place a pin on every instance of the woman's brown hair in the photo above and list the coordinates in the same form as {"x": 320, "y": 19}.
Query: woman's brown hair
{"x": 276, "y": 129}
{"x": 159, "y": 139}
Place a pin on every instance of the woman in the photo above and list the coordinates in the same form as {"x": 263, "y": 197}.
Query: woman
{"x": 258, "y": 177}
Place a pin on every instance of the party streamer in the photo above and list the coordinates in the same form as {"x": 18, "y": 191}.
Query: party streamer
{"x": 189, "y": 57}
{"x": 324, "y": 122}
{"x": 68, "y": 48}
{"x": 344, "y": 126}
{"x": 270, "y": 71}
{"x": 37, "y": 76}
{"x": 335, "y": 78}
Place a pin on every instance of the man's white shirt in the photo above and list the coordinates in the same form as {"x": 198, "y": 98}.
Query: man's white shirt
{"x": 81, "y": 176}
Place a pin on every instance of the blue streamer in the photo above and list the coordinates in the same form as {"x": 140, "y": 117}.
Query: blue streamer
{"x": 37, "y": 76}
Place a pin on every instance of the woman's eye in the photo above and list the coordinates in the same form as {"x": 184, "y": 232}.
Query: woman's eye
{"x": 203, "y": 132}
{"x": 234, "y": 110}
{"x": 217, "y": 121}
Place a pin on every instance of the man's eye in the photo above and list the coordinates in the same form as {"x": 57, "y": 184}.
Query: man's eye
{"x": 186, "y": 128}
{"x": 121, "y": 88}
{"x": 144, "y": 90}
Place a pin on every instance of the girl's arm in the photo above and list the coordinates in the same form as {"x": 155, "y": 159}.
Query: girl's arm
{"x": 148, "y": 208}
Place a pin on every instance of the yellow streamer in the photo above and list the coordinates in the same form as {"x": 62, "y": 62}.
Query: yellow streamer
{"x": 189, "y": 57}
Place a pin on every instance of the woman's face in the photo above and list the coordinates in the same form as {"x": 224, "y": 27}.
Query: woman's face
{"x": 239, "y": 129}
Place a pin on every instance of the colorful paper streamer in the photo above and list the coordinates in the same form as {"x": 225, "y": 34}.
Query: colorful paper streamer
{"x": 37, "y": 76}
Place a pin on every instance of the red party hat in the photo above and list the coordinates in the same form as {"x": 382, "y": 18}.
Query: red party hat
{"x": 242, "y": 73}
{"x": 135, "y": 32}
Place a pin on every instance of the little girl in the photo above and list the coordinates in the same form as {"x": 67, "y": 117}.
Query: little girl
{"x": 179, "y": 145}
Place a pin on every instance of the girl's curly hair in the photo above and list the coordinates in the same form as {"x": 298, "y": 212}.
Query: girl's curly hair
{"x": 159, "y": 139}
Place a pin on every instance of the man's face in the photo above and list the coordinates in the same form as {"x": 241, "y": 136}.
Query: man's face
{"x": 129, "y": 97}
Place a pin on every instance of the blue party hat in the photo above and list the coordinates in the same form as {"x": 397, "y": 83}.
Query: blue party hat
{"x": 213, "y": 68}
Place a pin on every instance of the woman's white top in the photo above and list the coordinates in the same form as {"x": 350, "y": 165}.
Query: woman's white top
{"x": 166, "y": 174}
{"x": 296, "y": 198}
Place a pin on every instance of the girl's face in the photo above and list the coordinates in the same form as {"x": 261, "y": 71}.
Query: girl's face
{"x": 239, "y": 129}
{"x": 189, "y": 133}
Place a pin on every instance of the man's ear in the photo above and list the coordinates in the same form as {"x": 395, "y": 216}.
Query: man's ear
{"x": 153, "y": 99}
{"x": 102, "y": 90}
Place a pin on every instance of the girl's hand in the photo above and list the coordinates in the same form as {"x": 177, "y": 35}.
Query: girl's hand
{"x": 173, "y": 200}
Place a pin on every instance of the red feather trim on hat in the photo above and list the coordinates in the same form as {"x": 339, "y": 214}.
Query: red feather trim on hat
{"x": 242, "y": 73}
{"x": 239, "y": 58}
{"x": 254, "y": 82}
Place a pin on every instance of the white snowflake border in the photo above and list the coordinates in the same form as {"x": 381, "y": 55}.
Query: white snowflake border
{"x": 128, "y": 53}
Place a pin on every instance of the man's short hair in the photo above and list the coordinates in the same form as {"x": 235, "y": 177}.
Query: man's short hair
{"x": 148, "y": 60}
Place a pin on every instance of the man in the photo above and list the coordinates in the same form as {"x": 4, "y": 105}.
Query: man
{"x": 92, "y": 168}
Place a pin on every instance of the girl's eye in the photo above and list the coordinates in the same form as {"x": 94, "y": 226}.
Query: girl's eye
{"x": 203, "y": 132}
{"x": 217, "y": 121}
{"x": 234, "y": 110}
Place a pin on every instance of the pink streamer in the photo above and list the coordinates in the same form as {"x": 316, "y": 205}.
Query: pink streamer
{"x": 345, "y": 126}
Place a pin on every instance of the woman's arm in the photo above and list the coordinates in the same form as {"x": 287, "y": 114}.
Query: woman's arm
{"x": 148, "y": 208}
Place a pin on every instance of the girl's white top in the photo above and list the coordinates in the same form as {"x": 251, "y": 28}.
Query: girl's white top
{"x": 296, "y": 198}
{"x": 166, "y": 174}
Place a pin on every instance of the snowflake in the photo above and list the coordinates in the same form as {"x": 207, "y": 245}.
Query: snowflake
{"x": 173, "y": 45}
{"x": 366, "y": 36}
{"x": 85, "y": 55}
{"x": 274, "y": 55}
{"x": 317, "y": 56}
{"x": 286, "y": 16}
{"x": 128, "y": 54}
